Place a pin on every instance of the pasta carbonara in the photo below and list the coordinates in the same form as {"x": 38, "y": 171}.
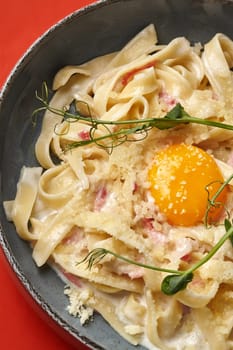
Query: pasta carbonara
{"x": 134, "y": 195}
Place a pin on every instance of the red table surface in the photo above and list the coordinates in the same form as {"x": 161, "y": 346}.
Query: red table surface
{"x": 21, "y": 23}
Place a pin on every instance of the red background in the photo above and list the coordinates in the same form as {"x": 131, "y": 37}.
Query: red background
{"x": 21, "y": 23}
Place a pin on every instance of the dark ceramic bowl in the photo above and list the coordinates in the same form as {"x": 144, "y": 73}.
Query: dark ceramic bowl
{"x": 98, "y": 29}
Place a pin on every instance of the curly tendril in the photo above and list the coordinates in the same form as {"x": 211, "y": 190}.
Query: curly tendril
{"x": 176, "y": 280}
{"x": 123, "y": 130}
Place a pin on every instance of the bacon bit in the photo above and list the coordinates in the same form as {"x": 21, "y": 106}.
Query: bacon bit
{"x": 73, "y": 279}
{"x": 156, "y": 236}
{"x": 167, "y": 99}
{"x": 84, "y": 135}
{"x": 100, "y": 198}
{"x": 129, "y": 76}
{"x": 75, "y": 236}
{"x": 135, "y": 188}
{"x": 148, "y": 223}
{"x": 186, "y": 258}
{"x": 69, "y": 276}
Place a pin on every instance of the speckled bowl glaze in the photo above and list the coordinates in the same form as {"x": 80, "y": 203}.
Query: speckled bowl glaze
{"x": 95, "y": 30}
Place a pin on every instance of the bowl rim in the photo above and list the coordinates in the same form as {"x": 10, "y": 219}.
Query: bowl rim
{"x": 4, "y": 245}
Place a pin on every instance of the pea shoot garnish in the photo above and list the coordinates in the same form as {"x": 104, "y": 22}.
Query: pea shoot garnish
{"x": 213, "y": 202}
{"x": 176, "y": 280}
{"x": 114, "y": 133}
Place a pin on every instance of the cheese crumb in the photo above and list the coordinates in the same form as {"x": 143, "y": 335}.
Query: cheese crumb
{"x": 78, "y": 303}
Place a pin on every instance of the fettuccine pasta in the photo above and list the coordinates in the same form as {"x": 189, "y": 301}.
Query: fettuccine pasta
{"x": 99, "y": 195}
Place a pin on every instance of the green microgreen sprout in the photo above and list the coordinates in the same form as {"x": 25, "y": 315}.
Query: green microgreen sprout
{"x": 176, "y": 280}
{"x": 125, "y": 128}
{"x": 97, "y": 254}
{"x": 212, "y": 202}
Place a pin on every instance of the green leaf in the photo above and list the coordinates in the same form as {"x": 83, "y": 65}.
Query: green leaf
{"x": 228, "y": 226}
{"x": 175, "y": 283}
{"x": 176, "y": 113}
{"x": 174, "y": 117}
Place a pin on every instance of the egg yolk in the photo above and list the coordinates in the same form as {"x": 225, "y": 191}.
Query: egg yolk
{"x": 178, "y": 178}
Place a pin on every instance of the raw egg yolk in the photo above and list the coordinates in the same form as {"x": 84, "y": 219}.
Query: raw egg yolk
{"x": 178, "y": 178}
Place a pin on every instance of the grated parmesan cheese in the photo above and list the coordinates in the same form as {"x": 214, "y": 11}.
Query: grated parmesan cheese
{"x": 78, "y": 300}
